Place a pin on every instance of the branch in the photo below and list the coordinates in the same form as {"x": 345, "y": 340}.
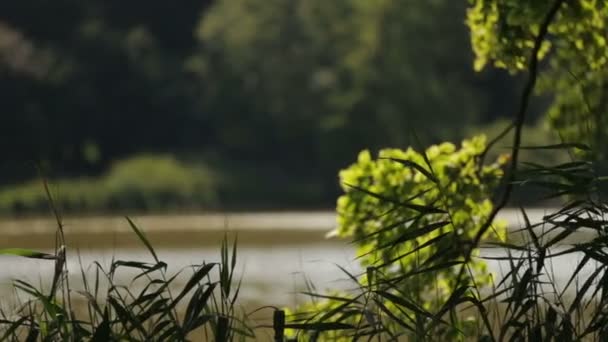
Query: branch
{"x": 518, "y": 123}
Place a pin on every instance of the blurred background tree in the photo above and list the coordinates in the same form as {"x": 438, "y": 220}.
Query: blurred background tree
{"x": 285, "y": 93}
{"x": 325, "y": 80}
{"x": 87, "y": 82}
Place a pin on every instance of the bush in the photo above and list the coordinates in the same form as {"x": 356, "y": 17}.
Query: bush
{"x": 410, "y": 214}
{"x": 148, "y": 182}
{"x": 439, "y": 192}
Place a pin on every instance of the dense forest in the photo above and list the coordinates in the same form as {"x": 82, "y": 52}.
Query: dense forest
{"x": 267, "y": 99}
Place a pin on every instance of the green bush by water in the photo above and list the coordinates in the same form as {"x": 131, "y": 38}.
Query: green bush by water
{"x": 148, "y": 182}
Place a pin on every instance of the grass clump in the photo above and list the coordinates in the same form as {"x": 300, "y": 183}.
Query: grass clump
{"x": 151, "y": 307}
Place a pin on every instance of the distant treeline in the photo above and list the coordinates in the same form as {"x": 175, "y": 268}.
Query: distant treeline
{"x": 270, "y": 92}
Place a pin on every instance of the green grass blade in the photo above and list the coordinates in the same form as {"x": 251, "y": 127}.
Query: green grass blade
{"x": 419, "y": 168}
{"x": 193, "y": 281}
{"x": 103, "y": 332}
{"x": 140, "y": 234}
{"x": 27, "y": 253}
{"x": 561, "y": 146}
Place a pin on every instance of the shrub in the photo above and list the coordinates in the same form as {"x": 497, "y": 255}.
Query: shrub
{"x": 410, "y": 198}
{"x": 147, "y": 182}
{"x": 158, "y": 182}
{"x": 410, "y": 213}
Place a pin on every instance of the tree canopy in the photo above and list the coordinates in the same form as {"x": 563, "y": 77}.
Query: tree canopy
{"x": 576, "y": 54}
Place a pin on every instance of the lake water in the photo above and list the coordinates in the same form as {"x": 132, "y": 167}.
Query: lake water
{"x": 277, "y": 251}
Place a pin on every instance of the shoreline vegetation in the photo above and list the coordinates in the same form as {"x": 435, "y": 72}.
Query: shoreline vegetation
{"x": 163, "y": 183}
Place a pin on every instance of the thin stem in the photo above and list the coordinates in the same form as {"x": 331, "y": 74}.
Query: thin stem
{"x": 517, "y": 124}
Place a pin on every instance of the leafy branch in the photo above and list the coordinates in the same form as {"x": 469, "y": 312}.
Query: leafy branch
{"x": 517, "y": 124}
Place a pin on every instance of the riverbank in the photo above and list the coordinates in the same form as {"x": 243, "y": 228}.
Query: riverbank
{"x": 197, "y": 229}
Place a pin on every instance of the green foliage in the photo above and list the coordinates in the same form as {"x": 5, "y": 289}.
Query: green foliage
{"x": 156, "y": 181}
{"x": 145, "y": 182}
{"x": 318, "y": 76}
{"x": 422, "y": 196}
{"x": 203, "y": 307}
{"x": 103, "y": 81}
{"x": 385, "y": 210}
{"x": 416, "y": 216}
{"x": 411, "y": 214}
{"x": 503, "y": 33}
{"x": 295, "y": 86}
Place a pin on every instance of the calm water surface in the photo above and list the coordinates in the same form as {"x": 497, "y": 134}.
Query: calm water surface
{"x": 277, "y": 251}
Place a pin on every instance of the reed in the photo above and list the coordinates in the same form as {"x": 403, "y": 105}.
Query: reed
{"x": 150, "y": 307}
